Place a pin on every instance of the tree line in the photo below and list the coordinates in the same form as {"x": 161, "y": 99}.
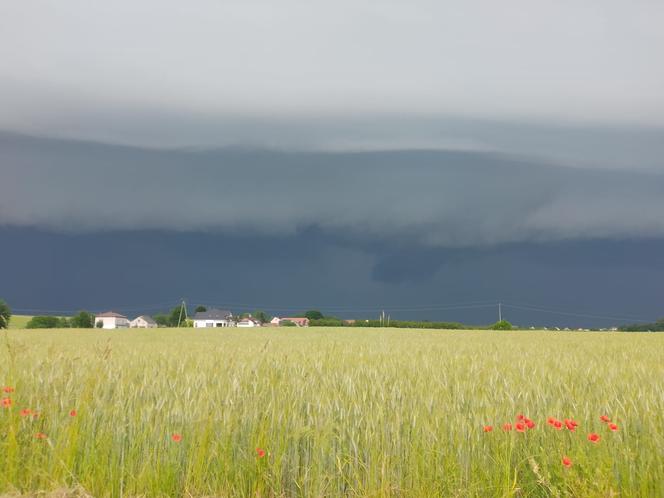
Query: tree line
{"x": 657, "y": 326}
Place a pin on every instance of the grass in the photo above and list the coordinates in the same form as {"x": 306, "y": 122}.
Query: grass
{"x": 340, "y": 412}
{"x": 19, "y": 321}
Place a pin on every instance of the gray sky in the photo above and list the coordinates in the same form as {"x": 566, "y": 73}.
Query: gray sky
{"x": 401, "y": 151}
{"x": 146, "y": 72}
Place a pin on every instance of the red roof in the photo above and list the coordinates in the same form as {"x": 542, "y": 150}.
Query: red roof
{"x": 110, "y": 314}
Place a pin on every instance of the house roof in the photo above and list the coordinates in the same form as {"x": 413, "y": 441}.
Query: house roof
{"x": 147, "y": 318}
{"x": 110, "y": 314}
{"x": 213, "y": 314}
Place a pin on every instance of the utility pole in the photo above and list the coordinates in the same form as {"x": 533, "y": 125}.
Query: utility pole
{"x": 500, "y": 312}
{"x": 183, "y": 309}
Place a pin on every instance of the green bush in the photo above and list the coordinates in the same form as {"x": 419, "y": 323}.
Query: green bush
{"x": 327, "y": 322}
{"x": 502, "y": 325}
{"x": 5, "y": 315}
{"x": 47, "y": 322}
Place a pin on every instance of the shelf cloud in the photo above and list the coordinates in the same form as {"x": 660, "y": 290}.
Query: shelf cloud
{"x": 430, "y": 198}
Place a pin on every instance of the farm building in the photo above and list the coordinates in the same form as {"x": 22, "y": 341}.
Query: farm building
{"x": 111, "y": 320}
{"x": 249, "y": 321}
{"x": 143, "y": 322}
{"x": 299, "y": 321}
{"x": 213, "y": 318}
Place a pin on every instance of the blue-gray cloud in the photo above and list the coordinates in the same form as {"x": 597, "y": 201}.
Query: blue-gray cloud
{"x": 431, "y": 198}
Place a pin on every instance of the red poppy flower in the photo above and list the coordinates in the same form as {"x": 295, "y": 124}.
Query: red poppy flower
{"x": 593, "y": 438}
{"x": 529, "y": 423}
{"x": 41, "y": 435}
{"x": 520, "y": 427}
{"x": 73, "y": 413}
{"x": 26, "y": 412}
{"x": 176, "y": 437}
{"x": 570, "y": 424}
{"x": 520, "y": 416}
{"x": 550, "y": 421}
{"x": 260, "y": 453}
{"x": 7, "y": 402}
{"x": 613, "y": 427}
{"x": 567, "y": 462}
{"x": 604, "y": 418}
{"x": 507, "y": 427}
{"x": 488, "y": 428}
{"x": 557, "y": 424}
{"x": 8, "y": 389}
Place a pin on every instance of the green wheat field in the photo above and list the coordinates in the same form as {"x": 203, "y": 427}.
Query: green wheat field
{"x": 329, "y": 412}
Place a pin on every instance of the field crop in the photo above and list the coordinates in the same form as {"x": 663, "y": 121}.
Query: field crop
{"x": 331, "y": 412}
{"x": 19, "y": 321}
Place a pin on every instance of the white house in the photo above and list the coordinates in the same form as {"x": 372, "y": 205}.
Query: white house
{"x": 143, "y": 322}
{"x": 111, "y": 320}
{"x": 249, "y": 321}
{"x": 213, "y": 318}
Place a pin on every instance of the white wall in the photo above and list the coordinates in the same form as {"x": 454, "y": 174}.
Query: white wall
{"x": 111, "y": 322}
{"x": 213, "y": 323}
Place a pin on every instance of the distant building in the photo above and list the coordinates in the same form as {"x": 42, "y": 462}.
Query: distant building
{"x": 249, "y": 321}
{"x": 213, "y": 318}
{"x": 299, "y": 321}
{"x": 111, "y": 320}
{"x": 143, "y": 322}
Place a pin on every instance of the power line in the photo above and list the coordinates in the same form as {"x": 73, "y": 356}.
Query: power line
{"x": 568, "y": 313}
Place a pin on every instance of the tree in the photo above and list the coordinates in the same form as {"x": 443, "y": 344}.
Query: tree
{"x": 83, "y": 320}
{"x": 261, "y": 316}
{"x": 287, "y": 323}
{"x": 502, "y": 325}
{"x": 314, "y": 315}
{"x": 200, "y": 309}
{"x": 162, "y": 320}
{"x": 99, "y": 324}
{"x": 5, "y": 315}
{"x": 177, "y": 316}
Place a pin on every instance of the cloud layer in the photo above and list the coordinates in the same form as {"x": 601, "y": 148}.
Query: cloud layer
{"x": 592, "y": 61}
{"x": 433, "y": 198}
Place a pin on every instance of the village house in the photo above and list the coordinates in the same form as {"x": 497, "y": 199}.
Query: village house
{"x": 299, "y": 321}
{"x": 111, "y": 320}
{"x": 249, "y": 321}
{"x": 143, "y": 322}
{"x": 213, "y": 318}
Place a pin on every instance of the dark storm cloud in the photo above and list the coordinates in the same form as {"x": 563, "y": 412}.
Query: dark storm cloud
{"x": 152, "y": 270}
{"x": 430, "y": 198}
